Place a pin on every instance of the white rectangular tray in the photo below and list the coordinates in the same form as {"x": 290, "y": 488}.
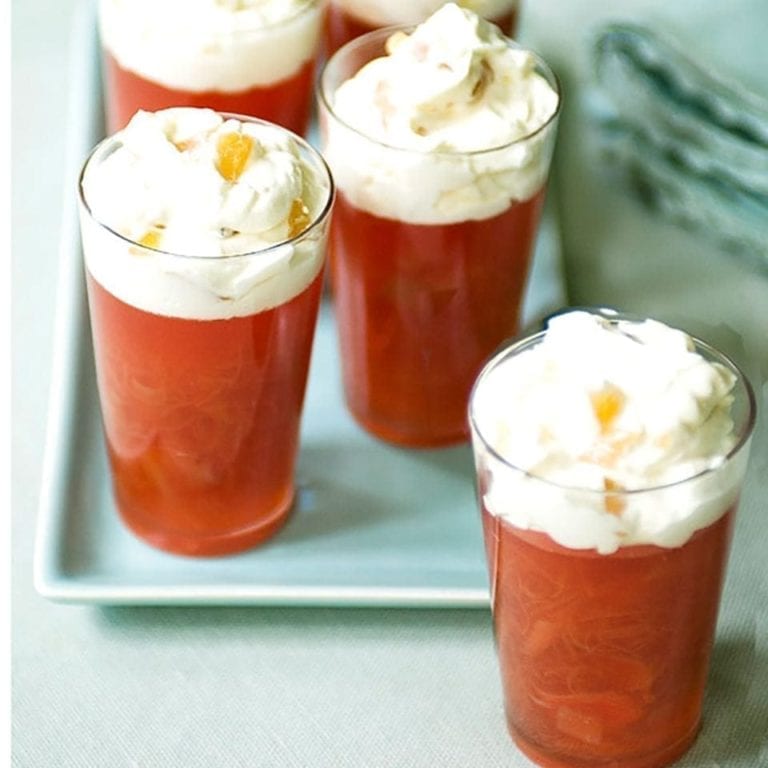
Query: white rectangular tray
{"x": 373, "y": 525}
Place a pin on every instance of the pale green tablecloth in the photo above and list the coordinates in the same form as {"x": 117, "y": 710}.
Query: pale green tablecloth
{"x": 318, "y": 687}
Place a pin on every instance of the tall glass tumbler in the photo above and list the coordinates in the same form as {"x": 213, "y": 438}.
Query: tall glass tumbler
{"x": 231, "y": 57}
{"x": 202, "y": 381}
{"x": 348, "y": 19}
{"x": 604, "y": 657}
{"x": 421, "y": 302}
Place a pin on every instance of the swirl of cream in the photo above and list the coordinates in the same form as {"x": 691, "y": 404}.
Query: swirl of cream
{"x": 455, "y": 123}
{"x": 213, "y": 213}
{"x": 454, "y": 84}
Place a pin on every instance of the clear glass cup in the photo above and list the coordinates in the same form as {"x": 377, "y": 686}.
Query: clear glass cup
{"x": 152, "y": 61}
{"x": 604, "y": 657}
{"x": 348, "y": 19}
{"x": 420, "y": 307}
{"x": 201, "y": 414}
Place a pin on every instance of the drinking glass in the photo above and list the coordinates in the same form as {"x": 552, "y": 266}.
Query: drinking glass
{"x": 201, "y": 409}
{"x": 420, "y": 305}
{"x": 158, "y": 55}
{"x": 604, "y": 657}
{"x": 348, "y": 19}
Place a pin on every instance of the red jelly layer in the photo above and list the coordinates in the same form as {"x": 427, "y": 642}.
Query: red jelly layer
{"x": 287, "y": 103}
{"x": 202, "y": 418}
{"x": 419, "y": 309}
{"x": 604, "y": 658}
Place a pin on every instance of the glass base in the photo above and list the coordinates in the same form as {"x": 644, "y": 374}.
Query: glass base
{"x": 548, "y": 759}
{"x": 208, "y": 545}
{"x": 410, "y": 439}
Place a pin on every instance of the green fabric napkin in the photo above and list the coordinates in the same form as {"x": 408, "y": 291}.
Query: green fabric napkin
{"x": 694, "y": 145}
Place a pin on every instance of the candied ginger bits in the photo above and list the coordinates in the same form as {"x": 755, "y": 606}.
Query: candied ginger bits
{"x": 151, "y": 238}
{"x": 298, "y": 218}
{"x": 614, "y": 502}
{"x": 607, "y": 404}
{"x": 232, "y": 153}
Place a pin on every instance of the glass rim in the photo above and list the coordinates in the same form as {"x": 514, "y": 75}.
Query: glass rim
{"x": 325, "y": 98}
{"x": 317, "y": 222}
{"x": 515, "y": 347}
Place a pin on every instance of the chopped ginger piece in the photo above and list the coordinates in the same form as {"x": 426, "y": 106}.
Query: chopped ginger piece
{"x": 184, "y": 145}
{"x": 151, "y": 239}
{"x": 298, "y": 218}
{"x": 607, "y": 404}
{"x": 614, "y": 503}
{"x": 233, "y": 150}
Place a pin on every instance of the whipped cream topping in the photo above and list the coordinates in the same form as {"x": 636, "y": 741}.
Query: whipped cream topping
{"x": 381, "y": 13}
{"x": 619, "y": 432}
{"x": 454, "y": 123}
{"x": 189, "y": 214}
{"x": 211, "y": 45}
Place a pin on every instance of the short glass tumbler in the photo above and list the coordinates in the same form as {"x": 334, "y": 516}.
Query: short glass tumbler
{"x": 604, "y": 657}
{"x": 201, "y": 415}
{"x": 348, "y": 19}
{"x": 229, "y": 60}
{"x": 420, "y": 305}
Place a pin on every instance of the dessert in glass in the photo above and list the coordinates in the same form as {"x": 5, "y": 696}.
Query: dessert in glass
{"x": 204, "y": 237}
{"x": 610, "y": 455}
{"x": 440, "y": 141}
{"x": 250, "y": 57}
{"x": 348, "y": 19}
